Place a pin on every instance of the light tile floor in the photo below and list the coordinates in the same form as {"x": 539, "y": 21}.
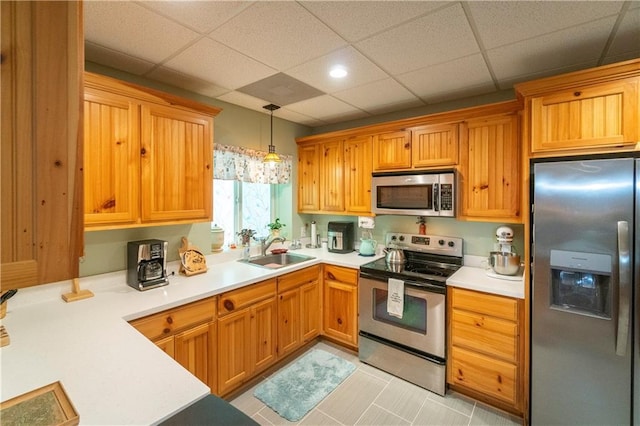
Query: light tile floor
{"x": 372, "y": 397}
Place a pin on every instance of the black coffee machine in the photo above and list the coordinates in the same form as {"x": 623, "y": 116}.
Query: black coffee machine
{"x": 147, "y": 264}
{"x": 340, "y": 237}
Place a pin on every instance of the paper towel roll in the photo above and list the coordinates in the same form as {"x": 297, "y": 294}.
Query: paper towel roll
{"x": 314, "y": 233}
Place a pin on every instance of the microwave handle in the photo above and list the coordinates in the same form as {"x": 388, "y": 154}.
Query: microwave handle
{"x": 436, "y": 197}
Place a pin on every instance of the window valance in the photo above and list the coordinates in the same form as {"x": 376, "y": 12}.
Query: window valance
{"x": 245, "y": 165}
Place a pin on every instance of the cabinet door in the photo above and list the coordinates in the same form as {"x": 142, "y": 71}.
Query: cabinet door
{"x": 194, "y": 350}
{"x": 331, "y": 177}
{"x": 340, "y": 312}
{"x": 603, "y": 115}
{"x": 392, "y": 151}
{"x": 357, "y": 174}
{"x": 263, "y": 335}
{"x": 289, "y": 322}
{"x": 111, "y": 159}
{"x": 167, "y": 345}
{"x": 41, "y": 219}
{"x": 234, "y": 350}
{"x": 177, "y": 164}
{"x": 310, "y": 313}
{"x": 490, "y": 169}
{"x": 435, "y": 145}
{"x": 308, "y": 178}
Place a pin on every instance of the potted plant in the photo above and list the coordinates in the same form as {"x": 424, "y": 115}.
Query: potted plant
{"x": 246, "y": 235}
{"x": 275, "y": 227}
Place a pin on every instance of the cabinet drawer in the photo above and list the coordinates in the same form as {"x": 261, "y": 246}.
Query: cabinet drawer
{"x": 246, "y": 296}
{"x": 172, "y": 320}
{"x": 485, "y": 334}
{"x": 343, "y": 275}
{"x": 496, "y": 306}
{"x": 484, "y": 374}
{"x": 295, "y": 279}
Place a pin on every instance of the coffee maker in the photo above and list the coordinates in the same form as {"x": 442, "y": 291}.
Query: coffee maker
{"x": 147, "y": 264}
{"x": 340, "y": 237}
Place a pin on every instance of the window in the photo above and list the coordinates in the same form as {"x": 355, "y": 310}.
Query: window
{"x": 238, "y": 205}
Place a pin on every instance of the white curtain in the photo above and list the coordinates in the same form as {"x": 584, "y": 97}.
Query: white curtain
{"x": 245, "y": 165}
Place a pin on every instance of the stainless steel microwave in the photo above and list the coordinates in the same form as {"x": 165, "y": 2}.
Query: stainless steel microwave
{"x": 419, "y": 193}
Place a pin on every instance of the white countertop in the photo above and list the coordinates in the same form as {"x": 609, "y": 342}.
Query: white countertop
{"x": 475, "y": 276}
{"x": 111, "y": 373}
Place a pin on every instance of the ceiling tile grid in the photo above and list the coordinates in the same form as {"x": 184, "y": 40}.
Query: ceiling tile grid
{"x": 399, "y": 54}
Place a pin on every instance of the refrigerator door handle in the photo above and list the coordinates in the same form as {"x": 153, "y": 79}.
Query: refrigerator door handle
{"x": 624, "y": 288}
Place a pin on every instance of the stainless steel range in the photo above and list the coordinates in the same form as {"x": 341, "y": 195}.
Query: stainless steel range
{"x": 405, "y": 335}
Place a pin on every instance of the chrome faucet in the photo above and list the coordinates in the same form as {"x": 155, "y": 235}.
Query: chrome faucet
{"x": 264, "y": 244}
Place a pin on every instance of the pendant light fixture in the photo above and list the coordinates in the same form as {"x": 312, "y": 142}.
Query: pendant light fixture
{"x": 271, "y": 157}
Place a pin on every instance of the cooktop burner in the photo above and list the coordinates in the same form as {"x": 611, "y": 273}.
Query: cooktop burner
{"x": 429, "y": 258}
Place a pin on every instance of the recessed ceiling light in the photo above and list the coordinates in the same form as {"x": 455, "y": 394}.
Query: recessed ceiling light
{"x": 338, "y": 72}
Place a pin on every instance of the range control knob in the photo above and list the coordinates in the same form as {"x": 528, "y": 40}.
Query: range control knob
{"x": 441, "y": 242}
{"x": 393, "y": 238}
{"x": 451, "y": 244}
{"x": 401, "y": 237}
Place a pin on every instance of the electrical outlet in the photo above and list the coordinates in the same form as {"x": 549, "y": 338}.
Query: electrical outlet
{"x": 303, "y": 231}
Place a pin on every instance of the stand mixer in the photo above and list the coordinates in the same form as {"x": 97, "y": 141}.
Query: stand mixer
{"x": 504, "y": 262}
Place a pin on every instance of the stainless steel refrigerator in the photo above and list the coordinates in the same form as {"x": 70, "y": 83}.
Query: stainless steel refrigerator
{"x": 585, "y": 298}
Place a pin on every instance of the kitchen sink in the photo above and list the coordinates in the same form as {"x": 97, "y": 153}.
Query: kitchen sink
{"x": 274, "y": 261}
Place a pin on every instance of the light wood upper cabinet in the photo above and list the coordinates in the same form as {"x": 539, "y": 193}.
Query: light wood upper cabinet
{"x": 589, "y": 111}
{"x": 149, "y": 156}
{"x": 489, "y": 178}
{"x": 41, "y": 149}
{"x": 434, "y": 145}
{"x": 486, "y": 347}
{"x": 308, "y": 178}
{"x": 176, "y": 165}
{"x": 112, "y": 166}
{"x": 342, "y": 168}
{"x": 357, "y": 174}
{"x": 392, "y": 151}
{"x": 332, "y": 177}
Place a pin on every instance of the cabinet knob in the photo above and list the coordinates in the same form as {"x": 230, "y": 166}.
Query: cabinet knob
{"x": 169, "y": 320}
{"x": 577, "y": 93}
{"x": 166, "y": 330}
{"x": 228, "y": 305}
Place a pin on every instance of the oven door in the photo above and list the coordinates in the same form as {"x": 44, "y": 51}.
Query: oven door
{"x": 422, "y": 326}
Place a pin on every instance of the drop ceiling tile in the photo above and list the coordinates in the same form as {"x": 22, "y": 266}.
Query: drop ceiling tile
{"x": 187, "y": 82}
{"x": 201, "y": 16}
{"x": 244, "y": 100}
{"x": 380, "y": 97}
{"x": 114, "y": 59}
{"x": 327, "y": 108}
{"x": 132, "y": 29}
{"x": 278, "y": 34}
{"x": 627, "y": 38}
{"x": 215, "y": 62}
{"x": 316, "y": 72}
{"x": 372, "y": 16}
{"x": 295, "y": 117}
{"x": 504, "y": 22}
{"x": 552, "y": 52}
{"x": 456, "y": 79}
{"x": 434, "y": 39}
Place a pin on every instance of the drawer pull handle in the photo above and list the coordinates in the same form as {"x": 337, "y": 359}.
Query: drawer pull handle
{"x": 228, "y": 305}
{"x": 577, "y": 93}
{"x": 169, "y": 320}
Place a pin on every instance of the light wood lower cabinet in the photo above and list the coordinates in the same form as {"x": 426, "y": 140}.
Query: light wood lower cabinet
{"x": 486, "y": 347}
{"x": 187, "y": 334}
{"x": 341, "y": 304}
{"x": 299, "y": 319}
{"x": 246, "y": 333}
